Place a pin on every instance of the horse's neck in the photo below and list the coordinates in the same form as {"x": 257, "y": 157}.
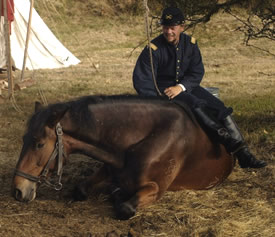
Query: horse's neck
{"x": 73, "y": 145}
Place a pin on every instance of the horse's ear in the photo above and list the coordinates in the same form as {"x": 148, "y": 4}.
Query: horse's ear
{"x": 37, "y": 106}
{"x": 57, "y": 112}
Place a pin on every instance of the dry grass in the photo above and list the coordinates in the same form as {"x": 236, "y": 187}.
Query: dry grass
{"x": 242, "y": 206}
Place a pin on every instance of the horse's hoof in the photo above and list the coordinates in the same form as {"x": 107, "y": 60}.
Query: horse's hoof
{"x": 124, "y": 211}
{"x": 79, "y": 193}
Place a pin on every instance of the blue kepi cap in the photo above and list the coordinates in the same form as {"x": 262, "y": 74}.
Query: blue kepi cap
{"x": 172, "y": 16}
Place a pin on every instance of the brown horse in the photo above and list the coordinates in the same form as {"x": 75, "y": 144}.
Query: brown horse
{"x": 147, "y": 146}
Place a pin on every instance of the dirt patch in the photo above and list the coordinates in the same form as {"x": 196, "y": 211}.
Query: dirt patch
{"x": 234, "y": 207}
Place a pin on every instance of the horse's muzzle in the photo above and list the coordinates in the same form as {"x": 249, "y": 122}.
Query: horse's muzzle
{"x": 25, "y": 192}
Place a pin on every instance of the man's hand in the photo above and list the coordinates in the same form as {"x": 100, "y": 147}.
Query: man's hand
{"x": 173, "y": 91}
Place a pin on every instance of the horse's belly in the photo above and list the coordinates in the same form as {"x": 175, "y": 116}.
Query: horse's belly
{"x": 205, "y": 175}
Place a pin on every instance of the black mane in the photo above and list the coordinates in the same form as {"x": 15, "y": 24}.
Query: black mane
{"x": 45, "y": 116}
{"x": 78, "y": 108}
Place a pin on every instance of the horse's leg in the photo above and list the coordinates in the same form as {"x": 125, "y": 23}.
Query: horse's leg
{"x": 140, "y": 183}
{"x": 144, "y": 196}
{"x": 83, "y": 189}
{"x": 149, "y": 168}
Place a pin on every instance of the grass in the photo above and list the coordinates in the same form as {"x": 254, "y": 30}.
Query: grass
{"x": 244, "y": 75}
{"x": 242, "y": 206}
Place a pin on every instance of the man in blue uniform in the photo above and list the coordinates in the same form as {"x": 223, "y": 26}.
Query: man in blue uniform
{"x": 178, "y": 71}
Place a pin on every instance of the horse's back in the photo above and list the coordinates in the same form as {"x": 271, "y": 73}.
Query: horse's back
{"x": 165, "y": 144}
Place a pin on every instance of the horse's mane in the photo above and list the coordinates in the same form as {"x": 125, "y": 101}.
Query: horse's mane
{"x": 45, "y": 116}
{"x": 136, "y": 98}
{"x": 78, "y": 108}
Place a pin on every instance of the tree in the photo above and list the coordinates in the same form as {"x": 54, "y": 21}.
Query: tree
{"x": 258, "y": 23}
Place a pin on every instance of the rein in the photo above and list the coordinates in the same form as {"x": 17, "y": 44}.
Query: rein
{"x": 149, "y": 47}
{"x": 57, "y": 153}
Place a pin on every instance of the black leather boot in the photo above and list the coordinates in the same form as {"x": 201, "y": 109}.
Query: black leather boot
{"x": 242, "y": 153}
{"x": 230, "y": 136}
{"x": 216, "y": 130}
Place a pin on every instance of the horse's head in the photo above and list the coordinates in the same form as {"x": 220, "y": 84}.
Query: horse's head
{"x": 42, "y": 152}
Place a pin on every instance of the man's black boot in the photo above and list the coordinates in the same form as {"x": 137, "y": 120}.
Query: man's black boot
{"x": 216, "y": 130}
{"x": 242, "y": 153}
{"x": 247, "y": 160}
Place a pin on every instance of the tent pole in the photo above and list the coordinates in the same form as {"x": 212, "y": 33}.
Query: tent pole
{"x": 27, "y": 40}
{"x": 8, "y": 50}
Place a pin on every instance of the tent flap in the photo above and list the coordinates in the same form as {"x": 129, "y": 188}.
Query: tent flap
{"x": 44, "y": 50}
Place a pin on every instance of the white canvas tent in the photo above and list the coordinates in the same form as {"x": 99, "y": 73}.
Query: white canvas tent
{"x": 44, "y": 49}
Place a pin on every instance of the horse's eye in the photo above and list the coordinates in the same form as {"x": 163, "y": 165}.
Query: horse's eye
{"x": 39, "y": 145}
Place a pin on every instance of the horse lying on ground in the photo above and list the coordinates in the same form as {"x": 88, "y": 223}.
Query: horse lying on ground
{"x": 147, "y": 146}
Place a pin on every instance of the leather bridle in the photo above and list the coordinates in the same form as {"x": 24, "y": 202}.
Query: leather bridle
{"x": 57, "y": 153}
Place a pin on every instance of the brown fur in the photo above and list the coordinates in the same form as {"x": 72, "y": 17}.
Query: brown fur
{"x": 147, "y": 147}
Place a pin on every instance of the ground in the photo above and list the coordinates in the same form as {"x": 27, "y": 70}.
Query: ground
{"x": 241, "y": 206}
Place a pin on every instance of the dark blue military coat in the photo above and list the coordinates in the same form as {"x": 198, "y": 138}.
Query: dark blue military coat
{"x": 181, "y": 64}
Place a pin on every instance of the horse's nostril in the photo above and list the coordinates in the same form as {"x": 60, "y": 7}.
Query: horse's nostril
{"x": 17, "y": 194}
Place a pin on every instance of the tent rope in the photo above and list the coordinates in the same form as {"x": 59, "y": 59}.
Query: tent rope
{"x": 149, "y": 45}
{"x": 40, "y": 91}
{"x": 71, "y": 33}
{"x": 42, "y": 95}
{"x": 14, "y": 104}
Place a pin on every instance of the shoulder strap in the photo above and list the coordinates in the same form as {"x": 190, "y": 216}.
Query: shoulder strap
{"x": 193, "y": 40}
{"x": 153, "y": 46}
